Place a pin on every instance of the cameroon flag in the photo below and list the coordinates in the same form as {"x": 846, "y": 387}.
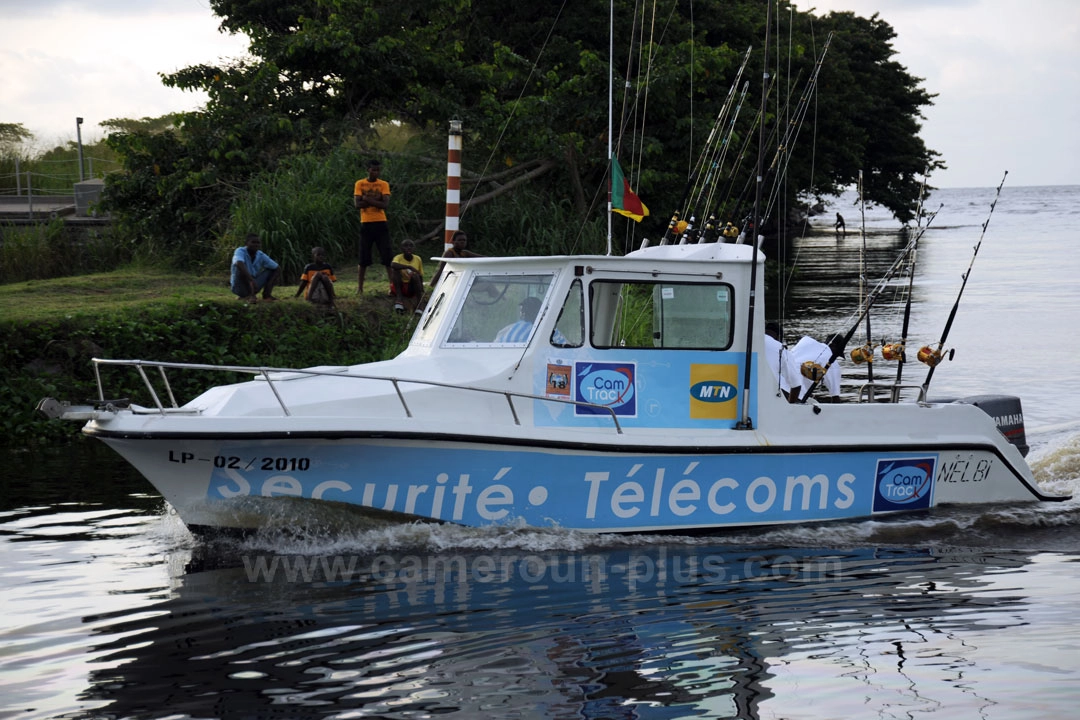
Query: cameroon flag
{"x": 623, "y": 199}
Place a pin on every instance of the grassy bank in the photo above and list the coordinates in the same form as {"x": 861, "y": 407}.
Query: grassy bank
{"x": 52, "y": 328}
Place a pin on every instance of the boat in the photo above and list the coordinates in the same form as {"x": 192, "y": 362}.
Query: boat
{"x": 599, "y": 393}
{"x": 637, "y": 399}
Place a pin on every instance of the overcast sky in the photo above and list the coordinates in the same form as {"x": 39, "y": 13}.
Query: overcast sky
{"x": 1006, "y": 72}
{"x": 1007, "y": 78}
{"x": 101, "y": 59}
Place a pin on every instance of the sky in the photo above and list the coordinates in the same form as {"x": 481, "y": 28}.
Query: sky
{"x": 1007, "y": 78}
{"x": 100, "y": 60}
{"x": 1006, "y": 73}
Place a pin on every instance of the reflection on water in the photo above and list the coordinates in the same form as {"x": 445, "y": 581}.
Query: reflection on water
{"x": 117, "y": 612}
{"x": 654, "y": 631}
{"x": 111, "y": 609}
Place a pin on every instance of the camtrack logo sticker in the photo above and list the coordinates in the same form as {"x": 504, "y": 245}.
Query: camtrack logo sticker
{"x": 608, "y": 384}
{"x": 904, "y": 484}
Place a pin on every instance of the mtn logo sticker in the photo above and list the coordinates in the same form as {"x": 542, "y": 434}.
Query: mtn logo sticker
{"x": 714, "y": 391}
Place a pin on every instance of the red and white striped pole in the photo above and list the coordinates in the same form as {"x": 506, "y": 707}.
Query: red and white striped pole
{"x": 453, "y": 184}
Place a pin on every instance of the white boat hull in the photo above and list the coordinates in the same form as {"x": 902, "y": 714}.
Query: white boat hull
{"x": 220, "y": 483}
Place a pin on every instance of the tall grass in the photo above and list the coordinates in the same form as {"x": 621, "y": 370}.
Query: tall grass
{"x": 523, "y": 224}
{"x": 37, "y": 252}
{"x": 308, "y": 202}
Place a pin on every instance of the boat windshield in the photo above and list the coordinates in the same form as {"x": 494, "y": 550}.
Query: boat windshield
{"x": 500, "y": 309}
{"x": 661, "y": 315}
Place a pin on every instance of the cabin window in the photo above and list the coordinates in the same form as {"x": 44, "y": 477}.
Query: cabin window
{"x": 437, "y": 306}
{"x": 500, "y": 309}
{"x": 661, "y": 315}
{"x": 570, "y": 326}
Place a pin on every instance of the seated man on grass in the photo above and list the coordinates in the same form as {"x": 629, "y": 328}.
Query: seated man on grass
{"x": 317, "y": 282}
{"x": 408, "y": 273}
{"x": 252, "y": 271}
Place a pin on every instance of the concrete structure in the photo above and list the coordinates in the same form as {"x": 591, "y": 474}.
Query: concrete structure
{"x": 87, "y": 194}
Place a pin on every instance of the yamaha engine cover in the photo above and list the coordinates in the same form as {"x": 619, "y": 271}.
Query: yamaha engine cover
{"x": 1007, "y": 414}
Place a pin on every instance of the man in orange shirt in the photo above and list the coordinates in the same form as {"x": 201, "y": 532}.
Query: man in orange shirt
{"x": 371, "y": 195}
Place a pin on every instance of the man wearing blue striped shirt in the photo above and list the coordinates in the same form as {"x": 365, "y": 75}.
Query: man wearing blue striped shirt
{"x": 518, "y": 332}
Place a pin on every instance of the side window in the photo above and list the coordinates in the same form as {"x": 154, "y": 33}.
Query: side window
{"x": 499, "y": 308}
{"x": 570, "y": 327}
{"x": 692, "y": 316}
{"x": 660, "y": 315}
{"x": 433, "y": 317}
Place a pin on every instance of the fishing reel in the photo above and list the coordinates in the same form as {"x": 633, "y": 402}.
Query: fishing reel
{"x": 673, "y": 230}
{"x": 893, "y": 351}
{"x": 864, "y": 354}
{"x": 710, "y": 230}
{"x": 932, "y": 355}
{"x": 812, "y": 371}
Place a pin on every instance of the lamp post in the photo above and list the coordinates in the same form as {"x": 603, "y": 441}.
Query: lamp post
{"x": 78, "y": 136}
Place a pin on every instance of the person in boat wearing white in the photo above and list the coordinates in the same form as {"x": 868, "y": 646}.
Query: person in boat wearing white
{"x": 518, "y": 332}
{"x": 809, "y": 350}
{"x": 782, "y": 363}
{"x": 252, "y": 271}
{"x": 459, "y": 240}
{"x": 408, "y": 276}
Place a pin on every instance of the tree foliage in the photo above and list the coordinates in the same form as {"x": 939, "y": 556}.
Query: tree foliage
{"x": 12, "y": 135}
{"x": 530, "y": 83}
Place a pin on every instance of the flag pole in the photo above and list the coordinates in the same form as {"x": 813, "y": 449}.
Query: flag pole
{"x": 611, "y": 80}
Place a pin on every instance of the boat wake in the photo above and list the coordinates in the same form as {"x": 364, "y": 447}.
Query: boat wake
{"x": 1055, "y": 461}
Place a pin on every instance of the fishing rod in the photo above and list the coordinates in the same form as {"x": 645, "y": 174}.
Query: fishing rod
{"x": 735, "y": 210}
{"x": 681, "y": 209}
{"x": 711, "y": 181}
{"x": 746, "y": 422}
{"x": 862, "y": 281}
{"x": 783, "y": 151}
{"x": 837, "y": 349}
{"x": 891, "y": 351}
{"x": 782, "y": 156}
{"x": 932, "y": 355}
{"x": 707, "y": 162}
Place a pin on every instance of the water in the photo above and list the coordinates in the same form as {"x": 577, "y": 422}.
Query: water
{"x": 111, "y": 609}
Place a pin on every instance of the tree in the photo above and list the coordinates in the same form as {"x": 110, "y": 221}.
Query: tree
{"x": 12, "y": 135}
{"x": 530, "y": 82}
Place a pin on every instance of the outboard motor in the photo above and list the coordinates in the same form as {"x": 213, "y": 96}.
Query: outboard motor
{"x": 1007, "y": 414}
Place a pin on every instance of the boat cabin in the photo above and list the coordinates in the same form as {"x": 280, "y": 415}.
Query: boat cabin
{"x": 656, "y": 337}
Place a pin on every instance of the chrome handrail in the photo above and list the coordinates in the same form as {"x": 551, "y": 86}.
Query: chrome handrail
{"x": 866, "y": 391}
{"x": 265, "y": 372}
